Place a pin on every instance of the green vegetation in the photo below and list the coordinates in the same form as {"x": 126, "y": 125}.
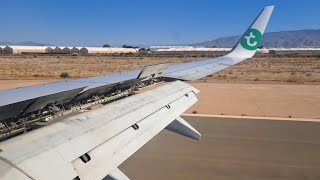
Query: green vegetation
{"x": 64, "y": 75}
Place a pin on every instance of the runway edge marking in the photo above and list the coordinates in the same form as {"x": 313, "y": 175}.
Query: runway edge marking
{"x": 252, "y": 117}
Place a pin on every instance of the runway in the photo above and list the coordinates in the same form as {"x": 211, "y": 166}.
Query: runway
{"x": 231, "y": 149}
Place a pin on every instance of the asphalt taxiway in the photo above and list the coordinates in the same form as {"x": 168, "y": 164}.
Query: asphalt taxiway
{"x": 231, "y": 148}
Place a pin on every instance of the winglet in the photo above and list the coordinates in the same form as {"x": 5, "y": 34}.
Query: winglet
{"x": 180, "y": 126}
{"x": 251, "y": 39}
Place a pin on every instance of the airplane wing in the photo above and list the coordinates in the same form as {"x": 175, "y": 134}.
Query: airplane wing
{"x": 91, "y": 144}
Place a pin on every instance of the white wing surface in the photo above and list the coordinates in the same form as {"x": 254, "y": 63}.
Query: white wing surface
{"x": 93, "y": 144}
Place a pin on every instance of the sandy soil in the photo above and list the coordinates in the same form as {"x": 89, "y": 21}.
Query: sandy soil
{"x": 277, "y": 100}
{"x": 9, "y": 84}
{"x": 299, "y": 70}
{"x": 50, "y": 67}
{"x": 295, "y": 68}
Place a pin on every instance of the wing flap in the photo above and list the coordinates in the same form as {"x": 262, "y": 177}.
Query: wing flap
{"x": 115, "y": 151}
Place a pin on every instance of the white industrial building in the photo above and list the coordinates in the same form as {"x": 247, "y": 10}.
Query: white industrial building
{"x": 24, "y": 49}
{"x": 57, "y": 50}
{"x": 84, "y": 50}
{"x": 66, "y": 50}
{"x": 196, "y": 49}
{"x": 75, "y": 50}
{"x": 49, "y": 50}
{"x": 190, "y": 48}
{"x": 95, "y": 50}
{"x": 294, "y": 49}
{"x": 101, "y": 50}
{"x": 124, "y": 50}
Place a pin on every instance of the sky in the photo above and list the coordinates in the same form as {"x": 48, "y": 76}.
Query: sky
{"x": 145, "y": 22}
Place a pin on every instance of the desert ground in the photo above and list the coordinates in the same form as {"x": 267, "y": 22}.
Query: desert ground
{"x": 266, "y": 100}
{"x": 285, "y": 86}
{"x": 282, "y": 68}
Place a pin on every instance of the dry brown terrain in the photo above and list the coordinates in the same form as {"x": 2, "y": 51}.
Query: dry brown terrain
{"x": 296, "y": 68}
{"x": 266, "y": 100}
{"x": 50, "y": 67}
{"x": 300, "y": 69}
{"x": 9, "y": 84}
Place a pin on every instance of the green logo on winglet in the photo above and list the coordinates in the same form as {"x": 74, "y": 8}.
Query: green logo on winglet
{"x": 251, "y": 39}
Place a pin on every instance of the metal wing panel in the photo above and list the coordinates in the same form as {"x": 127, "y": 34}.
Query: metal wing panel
{"x": 15, "y": 109}
{"x": 198, "y": 69}
{"x": 153, "y": 70}
{"x": 21, "y": 94}
{"x": 9, "y": 171}
{"x": 50, "y": 159}
{"x": 57, "y": 98}
{"x": 79, "y": 134}
{"x": 115, "y": 151}
{"x": 204, "y": 71}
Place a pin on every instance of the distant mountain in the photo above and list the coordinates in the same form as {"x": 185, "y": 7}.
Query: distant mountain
{"x": 285, "y": 39}
{"x": 26, "y": 43}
